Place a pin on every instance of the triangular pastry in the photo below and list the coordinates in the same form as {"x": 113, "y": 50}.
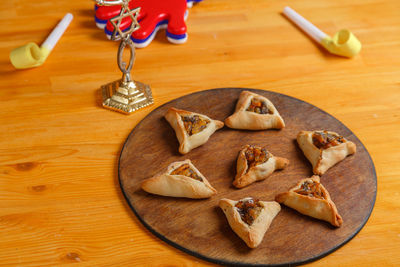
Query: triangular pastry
{"x": 254, "y": 164}
{"x": 324, "y": 149}
{"x": 254, "y": 112}
{"x": 310, "y": 197}
{"x": 250, "y": 218}
{"x": 181, "y": 179}
{"x": 192, "y": 129}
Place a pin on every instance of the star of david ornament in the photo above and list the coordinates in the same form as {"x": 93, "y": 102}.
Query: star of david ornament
{"x": 125, "y": 95}
{"x": 116, "y": 22}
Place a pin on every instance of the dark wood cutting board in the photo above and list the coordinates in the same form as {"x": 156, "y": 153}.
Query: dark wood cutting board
{"x": 199, "y": 227}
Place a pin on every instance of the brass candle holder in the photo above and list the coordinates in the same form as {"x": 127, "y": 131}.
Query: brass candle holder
{"x": 125, "y": 95}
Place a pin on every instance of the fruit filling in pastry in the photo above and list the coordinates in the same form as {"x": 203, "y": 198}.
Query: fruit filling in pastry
{"x": 185, "y": 170}
{"x": 249, "y": 209}
{"x": 194, "y": 124}
{"x": 255, "y": 156}
{"x": 324, "y": 140}
{"x": 258, "y": 106}
{"x": 311, "y": 189}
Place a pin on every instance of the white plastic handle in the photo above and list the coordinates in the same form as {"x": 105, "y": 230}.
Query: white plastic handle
{"x": 58, "y": 31}
{"x": 304, "y": 24}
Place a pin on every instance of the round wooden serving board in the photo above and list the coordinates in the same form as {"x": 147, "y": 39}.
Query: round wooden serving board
{"x": 199, "y": 227}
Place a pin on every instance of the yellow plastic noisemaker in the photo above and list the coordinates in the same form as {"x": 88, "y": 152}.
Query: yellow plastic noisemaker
{"x": 31, "y": 55}
{"x": 344, "y": 43}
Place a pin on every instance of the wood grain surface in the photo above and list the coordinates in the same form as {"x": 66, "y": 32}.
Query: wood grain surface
{"x": 193, "y": 224}
{"x": 60, "y": 199}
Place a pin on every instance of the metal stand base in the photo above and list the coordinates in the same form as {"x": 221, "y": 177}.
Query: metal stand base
{"x": 126, "y": 100}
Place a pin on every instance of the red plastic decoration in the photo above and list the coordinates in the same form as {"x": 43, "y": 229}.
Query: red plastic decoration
{"x": 154, "y": 15}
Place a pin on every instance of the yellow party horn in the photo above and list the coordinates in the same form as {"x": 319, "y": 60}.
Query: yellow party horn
{"x": 344, "y": 43}
{"x": 31, "y": 55}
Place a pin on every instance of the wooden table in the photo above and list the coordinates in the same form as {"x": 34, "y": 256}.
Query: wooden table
{"x": 60, "y": 200}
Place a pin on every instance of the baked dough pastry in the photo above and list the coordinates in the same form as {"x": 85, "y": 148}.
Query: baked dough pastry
{"x": 250, "y": 218}
{"x": 191, "y": 129}
{"x": 324, "y": 149}
{"x": 310, "y": 197}
{"x": 181, "y": 179}
{"x": 254, "y": 164}
{"x": 254, "y": 112}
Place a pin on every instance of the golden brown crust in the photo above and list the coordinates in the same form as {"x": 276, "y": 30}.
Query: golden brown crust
{"x": 323, "y": 159}
{"x": 319, "y": 208}
{"x": 251, "y": 234}
{"x": 188, "y": 142}
{"x": 243, "y": 119}
{"x": 166, "y": 184}
{"x": 246, "y": 175}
